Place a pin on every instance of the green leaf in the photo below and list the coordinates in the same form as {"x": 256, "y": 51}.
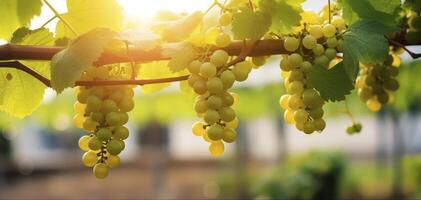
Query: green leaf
{"x": 182, "y": 58}
{"x": 20, "y": 92}
{"x": 333, "y": 84}
{"x": 285, "y": 14}
{"x": 68, "y": 65}
{"x": 84, "y": 16}
{"x": 385, "y": 11}
{"x": 16, "y": 13}
{"x": 365, "y": 42}
{"x": 250, "y": 25}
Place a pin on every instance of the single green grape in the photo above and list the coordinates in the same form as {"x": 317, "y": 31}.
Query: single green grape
{"x": 309, "y": 42}
{"x": 214, "y": 102}
{"x": 225, "y": 19}
{"x": 295, "y": 59}
{"x": 200, "y": 106}
{"x": 227, "y": 114}
{"x": 215, "y": 85}
{"x": 104, "y": 134}
{"x": 318, "y": 50}
{"x": 120, "y": 133}
{"x": 198, "y": 129}
{"x": 316, "y": 31}
{"x": 216, "y": 148}
{"x": 300, "y": 116}
{"x": 89, "y": 159}
{"x": 227, "y": 78}
{"x": 194, "y": 67}
{"x": 332, "y": 42}
{"x": 215, "y": 132}
{"x": 291, "y": 44}
{"x": 126, "y": 104}
{"x": 219, "y": 58}
{"x": 83, "y": 143}
{"x": 113, "y": 161}
{"x": 100, "y": 170}
{"x": 222, "y": 40}
{"x": 229, "y": 135}
{"x": 329, "y": 30}
{"x": 296, "y": 87}
{"x": 208, "y": 69}
{"x": 211, "y": 116}
{"x": 200, "y": 87}
{"x": 227, "y": 99}
{"x": 114, "y": 147}
{"x": 94, "y": 143}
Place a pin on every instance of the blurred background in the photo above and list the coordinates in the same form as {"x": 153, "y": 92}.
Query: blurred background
{"x": 40, "y": 159}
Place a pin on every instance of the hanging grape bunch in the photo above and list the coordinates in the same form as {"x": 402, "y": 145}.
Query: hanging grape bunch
{"x": 376, "y": 83}
{"x": 102, "y": 113}
{"x": 316, "y": 44}
{"x": 414, "y": 21}
{"x": 211, "y": 78}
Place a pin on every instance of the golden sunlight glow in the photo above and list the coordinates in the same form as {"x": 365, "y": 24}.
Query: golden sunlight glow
{"x": 146, "y": 9}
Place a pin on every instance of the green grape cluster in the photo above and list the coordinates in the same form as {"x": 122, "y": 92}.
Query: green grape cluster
{"x": 211, "y": 78}
{"x": 102, "y": 112}
{"x": 316, "y": 44}
{"x": 414, "y": 21}
{"x": 376, "y": 83}
{"x": 354, "y": 128}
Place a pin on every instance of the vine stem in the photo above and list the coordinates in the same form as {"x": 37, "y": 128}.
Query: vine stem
{"x": 411, "y": 53}
{"x": 19, "y": 66}
{"x": 328, "y": 4}
{"x": 348, "y": 112}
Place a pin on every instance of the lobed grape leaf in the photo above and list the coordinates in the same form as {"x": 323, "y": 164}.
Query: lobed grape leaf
{"x": 365, "y": 42}
{"x": 385, "y": 11}
{"x": 285, "y": 14}
{"x": 182, "y": 58}
{"x": 68, "y": 65}
{"x": 16, "y": 13}
{"x": 333, "y": 84}
{"x": 250, "y": 25}
{"x": 21, "y": 93}
{"x": 84, "y": 16}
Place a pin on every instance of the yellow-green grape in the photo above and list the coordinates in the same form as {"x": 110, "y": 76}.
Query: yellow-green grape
{"x": 200, "y": 106}
{"x": 96, "y": 91}
{"x": 312, "y": 99}
{"x": 214, "y": 102}
{"x": 89, "y": 159}
{"x": 89, "y": 125}
{"x": 94, "y": 143}
{"x": 93, "y": 104}
{"x": 211, "y": 116}
{"x": 373, "y": 105}
{"x": 215, "y": 132}
{"x": 103, "y": 134}
{"x": 230, "y": 135}
{"x": 306, "y": 66}
{"x": 319, "y": 124}
{"x": 322, "y": 61}
{"x": 295, "y": 102}
{"x": 391, "y": 84}
{"x": 291, "y": 44}
{"x": 316, "y": 113}
{"x": 200, "y": 87}
{"x": 227, "y": 114}
{"x": 227, "y": 78}
{"x": 82, "y": 95}
{"x": 299, "y": 126}
{"x": 219, "y": 58}
{"x": 113, "y": 161}
{"x": 316, "y": 31}
{"x": 309, "y": 42}
{"x": 296, "y": 87}
{"x": 258, "y": 60}
{"x": 283, "y": 101}
{"x": 126, "y": 104}
{"x": 240, "y": 73}
{"x": 295, "y": 59}
{"x": 208, "y": 69}
{"x": 114, "y": 147}
{"x": 365, "y": 93}
{"x": 216, "y": 148}
{"x": 227, "y": 99}
{"x": 211, "y": 34}
{"x": 100, "y": 170}
{"x": 284, "y": 64}
{"x": 330, "y": 53}
{"x": 309, "y": 127}
{"x": 120, "y": 133}
{"x": 232, "y": 124}
{"x": 122, "y": 144}
{"x": 78, "y": 120}
{"x": 339, "y": 23}
{"x": 295, "y": 75}
{"x": 222, "y": 40}
{"x": 198, "y": 129}
{"x": 128, "y": 91}
{"x": 318, "y": 50}
{"x": 225, "y": 19}
{"x": 289, "y": 117}
{"x": 83, "y": 143}
{"x": 194, "y": 67}
{"x": 329, "y": 30}
{"x": 116, "y": 96}
{"x": 300, "y": 116}
{"x": 215, "y": 85}
{"x": 79, "y": 107}
{"x": 116, "y": 118}
{"x": 332, "y": 42}
{"x": 97, "y": 117}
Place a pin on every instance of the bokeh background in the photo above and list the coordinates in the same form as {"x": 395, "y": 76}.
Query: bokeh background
{"x": 39, "y": 157}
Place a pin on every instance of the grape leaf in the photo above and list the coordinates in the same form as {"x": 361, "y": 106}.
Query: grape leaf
{"x": 285, "y": 14}
{"x": 385, "y": 11}
{"x": 333, "y": 84}
{"x": 85, "y": 15}
{"x": 365, "y": 42}
{"x": 67, "y": 65}
{"x": 250, "y": 25}
{"x": 16, "y": 13}
{"x": 155, "y": 70}
{"x": 182, "y": 58}
{"x": 20, "y": 92}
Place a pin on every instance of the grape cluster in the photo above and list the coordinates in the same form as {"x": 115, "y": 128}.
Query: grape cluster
{"x": 102, "y": 113}
{"x": 354, "y": 128}
{"x": 376, "y": 83}
{"x": 414, "y": 21}
{"x": 211, "y": 78}
{"x": 316, "y": 44}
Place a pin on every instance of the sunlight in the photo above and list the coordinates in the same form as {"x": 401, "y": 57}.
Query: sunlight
{"x": 141, "y": 9}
